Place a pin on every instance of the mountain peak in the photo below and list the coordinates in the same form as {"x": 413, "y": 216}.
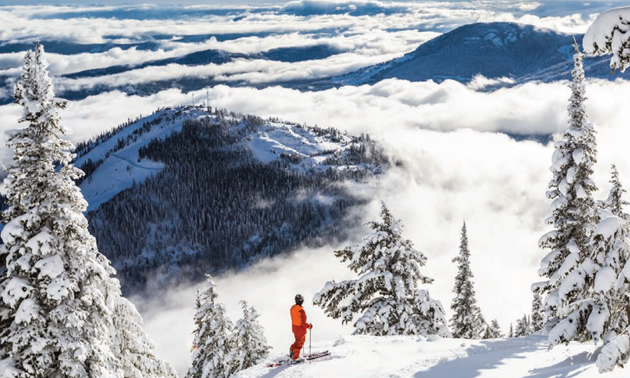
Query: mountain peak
{"x": 494, "y": 50}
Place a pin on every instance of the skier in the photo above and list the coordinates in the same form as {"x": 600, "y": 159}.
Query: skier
{"x": 298, "y": 320}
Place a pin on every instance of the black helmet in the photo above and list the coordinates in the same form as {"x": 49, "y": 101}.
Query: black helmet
{"x": 299, "y": 299}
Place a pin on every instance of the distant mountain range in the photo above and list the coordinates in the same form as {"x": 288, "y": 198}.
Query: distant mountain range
{"x": 517, "y": 53}
{"x": 190, "y": 190}
{"x": 520, "y": 53}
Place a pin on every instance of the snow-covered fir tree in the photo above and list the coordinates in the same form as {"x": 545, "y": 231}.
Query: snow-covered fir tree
{"x": 496, "y": 329}
{"x": 609, "y": 320}
{"x": 511, "y": 331}
{"x": 567, "y": 267}
{"x": 57, "y": 293}
{"x": 213, "y": 345}
{"x": 537, "y": 317}
{"x": 250, "y": 343}
{"x": 522, "y": 327}
{"x": 386, "y": 295}
{"x": 614, "y": 202}
{"x": 487, "y": 330}
{"x": 467, "y": 321}
{"x": 133, "y": 346}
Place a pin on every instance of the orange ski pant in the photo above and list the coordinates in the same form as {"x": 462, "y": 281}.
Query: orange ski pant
{"x": 300, "y": 338}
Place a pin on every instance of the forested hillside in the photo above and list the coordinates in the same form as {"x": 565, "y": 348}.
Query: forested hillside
{"x": 222, "y": 200}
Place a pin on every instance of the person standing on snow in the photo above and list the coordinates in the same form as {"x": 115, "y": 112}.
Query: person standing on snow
{"x": 298, "y": 320}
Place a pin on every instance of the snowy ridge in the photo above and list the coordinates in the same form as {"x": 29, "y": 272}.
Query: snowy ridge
{"x": 435, "y": 357}
{"x": 119, "y": 166}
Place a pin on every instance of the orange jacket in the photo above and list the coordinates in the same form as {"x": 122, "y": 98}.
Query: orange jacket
{"x": 298, "y": 320}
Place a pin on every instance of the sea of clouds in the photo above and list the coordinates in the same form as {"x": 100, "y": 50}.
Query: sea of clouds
{"x": 458, "y": 162}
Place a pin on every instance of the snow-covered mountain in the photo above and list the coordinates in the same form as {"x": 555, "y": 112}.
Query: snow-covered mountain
{"x": 434, "y": 357}
{"x": 496, "y": 50}
{"x": 192, "y": 190}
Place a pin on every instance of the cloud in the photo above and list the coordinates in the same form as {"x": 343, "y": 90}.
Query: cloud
{"x": 527, "y": 109}
{"x": 368, "y": 32}
{"x": 332, "y": 18}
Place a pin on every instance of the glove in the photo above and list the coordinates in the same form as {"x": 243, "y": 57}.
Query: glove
{"x": 310, "y": 325}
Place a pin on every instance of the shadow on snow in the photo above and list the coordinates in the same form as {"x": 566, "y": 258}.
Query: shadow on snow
{"x": 490, "y": 354}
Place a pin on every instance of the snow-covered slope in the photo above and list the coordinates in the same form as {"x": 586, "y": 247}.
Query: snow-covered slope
{"x": 495, "y": 50}
{"x": 120, "y": 165}
{"x": 434, "y": 357}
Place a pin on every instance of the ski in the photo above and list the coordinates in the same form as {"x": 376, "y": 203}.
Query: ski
{"x": 308, "y": 357}
{"x": 315, "y": 356}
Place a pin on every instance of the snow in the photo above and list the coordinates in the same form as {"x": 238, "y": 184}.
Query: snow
{"x": 612, "y": 352}
{"x": 596, "y": 321}
{"x": 599, "y": 31}
{"x": 40, "y": 243}
{"x": 563, "y": 187}
{"x": 58, "y": 289}
{"x": 50, "y": 267}
{"x": 580, "y": 192}
{"x": 274, "y": 139}
{"x": 608, "y": 34}
{"x": 607, "y": 227}
{"x": 16, "y": 289}
{"x": 27, "y": 311}
{"x": 7, "y": 368}
{"x": 578, "y": 156}
{"x": 122, "y": 168}
{"x": 558, "y": 159}
{"x": 12, "y": 229}
{"x": 435, "y": 357}
{"x": 605, "y": 279}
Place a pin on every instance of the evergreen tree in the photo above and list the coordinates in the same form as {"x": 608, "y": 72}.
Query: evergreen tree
{"x": 133, "y": 346}
{"x": 496, "y": 329}
{"x": 53, "y": 294}
{"x": 56, "y": 290}
{"x": 537, "y": 313}
{"x": 250, "y": 344}
{"x": 487, "y": 332}
{"x": 214, "y": 345}
{"x": 599, "y": 312}
{"x": 467, "y": 321}
{"x": 609, "y": 320}
{"x": 615, "y": 203}
{"x": 567, "y": 267}
{"x": 511, "y": 332}
{"x": 386, "y": 293}
{"x": 522, "y": 327}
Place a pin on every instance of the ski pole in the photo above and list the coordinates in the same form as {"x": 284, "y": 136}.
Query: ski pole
{"x": 309, "y": 342}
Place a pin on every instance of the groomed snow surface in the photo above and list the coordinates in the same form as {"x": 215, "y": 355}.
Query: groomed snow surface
{"x": 434, "y": 357}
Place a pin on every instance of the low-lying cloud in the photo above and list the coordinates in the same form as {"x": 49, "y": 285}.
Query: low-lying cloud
{"x": 366, "y": 28}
